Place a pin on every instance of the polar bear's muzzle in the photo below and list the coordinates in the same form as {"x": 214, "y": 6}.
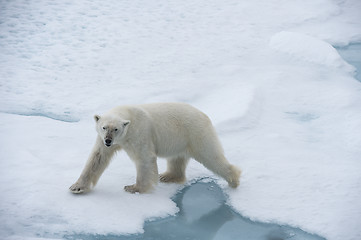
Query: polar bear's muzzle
{"x": 108, "y": 142}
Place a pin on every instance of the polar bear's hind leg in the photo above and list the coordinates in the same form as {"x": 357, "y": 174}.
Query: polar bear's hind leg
{"x": 209, "y": 152}
{"x": 176, "y": 168}
{"x": 220, "y": 166}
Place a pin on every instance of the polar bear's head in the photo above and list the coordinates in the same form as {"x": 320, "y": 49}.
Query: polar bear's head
{"x": 112, "y": 130}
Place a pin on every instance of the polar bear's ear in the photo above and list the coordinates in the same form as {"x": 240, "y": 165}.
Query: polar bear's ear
{"x": 126, "y": 123}
{"x": 96, "y": 118}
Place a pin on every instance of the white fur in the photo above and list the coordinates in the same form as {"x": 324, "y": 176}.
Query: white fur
{"x": 175, "y": 131}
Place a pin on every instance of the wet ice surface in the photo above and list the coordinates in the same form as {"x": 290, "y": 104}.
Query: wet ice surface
{"x": 351, "y": 53}
{"x": 64, "y": 117}
{"x": 204, "y": 215}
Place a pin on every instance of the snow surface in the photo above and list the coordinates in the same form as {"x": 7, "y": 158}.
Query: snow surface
{"x": 285, "y": 104}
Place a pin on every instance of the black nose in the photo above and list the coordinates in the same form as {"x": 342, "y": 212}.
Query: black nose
{"x": 108, "y": 141}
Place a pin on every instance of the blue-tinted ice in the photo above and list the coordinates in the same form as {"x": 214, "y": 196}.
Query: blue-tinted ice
{"x": 351, "y": 53}
{"x": 204, "y": 215}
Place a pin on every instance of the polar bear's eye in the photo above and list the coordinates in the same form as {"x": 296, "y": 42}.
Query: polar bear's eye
{"x": 104, "y": 128}
{"x": 116, "y": 129}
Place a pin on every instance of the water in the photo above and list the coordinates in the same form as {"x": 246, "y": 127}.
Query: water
{"x": 352, "y": 54}
{"x": 204, "y": 215}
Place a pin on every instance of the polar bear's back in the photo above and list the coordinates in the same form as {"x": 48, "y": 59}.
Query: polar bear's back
{"x": 181, "y": 111}
{"x": 183, "y": 117}
{"x": 178, "y": 115}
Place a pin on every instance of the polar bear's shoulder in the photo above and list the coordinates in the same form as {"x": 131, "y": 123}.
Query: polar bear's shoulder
{"x": 130, "y": 112}
{"x": 152, "y": 108}
{"x": 170, "y": 108}
{"x": 119, "y": 111}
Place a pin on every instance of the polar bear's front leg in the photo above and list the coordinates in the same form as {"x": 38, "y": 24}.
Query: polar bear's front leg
{"x": 83, "y": 184}
{"x": 79, "y": 187}
{"x": 147, "y": 176}
{"x": 98, "y": 160}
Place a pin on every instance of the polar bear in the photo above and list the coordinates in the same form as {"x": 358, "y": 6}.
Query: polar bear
{"x": 175, "y": 131}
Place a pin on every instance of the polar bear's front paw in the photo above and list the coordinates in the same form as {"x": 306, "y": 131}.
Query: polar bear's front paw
{"x": 132, "y": 188}
{"x": 78, "y": 188}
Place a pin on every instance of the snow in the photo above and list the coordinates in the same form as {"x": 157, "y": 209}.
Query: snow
{"x": 309, "y": 49}
{"x": 284, "y": 102}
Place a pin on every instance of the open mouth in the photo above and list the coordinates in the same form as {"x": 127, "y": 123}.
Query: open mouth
{"x": 108, "y": 144}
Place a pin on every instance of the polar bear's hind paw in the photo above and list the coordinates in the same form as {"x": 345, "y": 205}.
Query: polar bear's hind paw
{"x": 171, "y": 178}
